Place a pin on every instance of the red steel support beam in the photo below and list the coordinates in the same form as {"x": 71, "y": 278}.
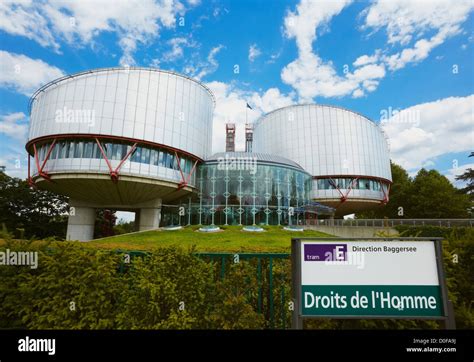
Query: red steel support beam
{"x": 344, "y": 198}
{"x": 104, "y": 156}
{"x": 333, "y": 183}
{"x": 183, "y": 182}
{"x": 192, "y": 171}
{"x": 186, "y": 182}
{"x": 114, "y": 173}
{"x": 385, "y": 194}
{"x": 40, "y": 169}
{"x": 117, "y": 169}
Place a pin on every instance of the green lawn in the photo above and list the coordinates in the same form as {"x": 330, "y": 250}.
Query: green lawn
{"x": 232, "y": 239}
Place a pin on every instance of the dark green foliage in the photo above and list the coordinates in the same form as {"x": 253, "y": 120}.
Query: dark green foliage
{"x": 433, "y": 196}
{"x": 468, "y": 176}
{"x": 147, "y": 293}
{"x": 77, "y": 288}
{"x": 168, "y": 289}
{"x": 428, "y": 195}
{"x": 28, "y": 212}
{"x": 124, "y": 227}
{"x": 432, "y": 231}
{"x": 458, "y": 253}
{"x": 104, "y": 223}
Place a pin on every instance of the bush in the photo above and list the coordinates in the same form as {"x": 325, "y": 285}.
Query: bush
{"x": 432, "y": 231}
{"x": 78, "y": 288}
{"x": 168, "y": 289}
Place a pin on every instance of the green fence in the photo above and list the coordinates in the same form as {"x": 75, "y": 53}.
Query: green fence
{"x": 268, "y": 286}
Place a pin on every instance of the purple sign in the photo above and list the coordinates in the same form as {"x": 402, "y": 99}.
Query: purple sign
{"x": 323, "y": 252}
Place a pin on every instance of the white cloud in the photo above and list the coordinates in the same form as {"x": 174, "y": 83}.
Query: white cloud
{"x": 155, "y": 63}
{"x": 15, "y": 162}
{"x": 14, "y": 125}
{"x": 309, "y": 74}
{"x": 367, "y": 59}
{"x": 254, "y": 52}
{"x": 24, "y": 20}
{"x": 274, "y": 57}
{"x": 420, "y": 50}
{"x": 202, "y": 69}
{"x": 24, "y": 74}
{"x": 456, "y": 171}
{"x": 14, "y": 130}
{"x": 420, "y": 133}
{"x": 177, "y": 48}
{"x": 134, "y": 21}
{"x": 310, "y": 15}
{"x": 231, "y": 107}
{"x": 407, "y": 21}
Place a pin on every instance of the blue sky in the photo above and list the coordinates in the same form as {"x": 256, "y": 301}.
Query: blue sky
{"x": 408, "y": 64}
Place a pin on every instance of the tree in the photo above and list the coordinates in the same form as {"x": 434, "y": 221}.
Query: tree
{"x": 31, "y": 212}
{"x": 468, "y": 176}
{"x": 104, "y": 223}
{"x": 432, "y": 195}
{"x": 428, "y": 195}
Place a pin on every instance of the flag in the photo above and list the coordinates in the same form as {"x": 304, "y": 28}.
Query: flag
{"x": 248, "y": 106}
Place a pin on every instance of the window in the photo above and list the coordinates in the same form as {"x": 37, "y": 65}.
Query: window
{"x": 175, "y": 163}
{"x": 41, "y": 152}
{"x": 161, "y": 159}
{"x": 154, "y": 157}
{"x": 87, "y": 150}
{"x": 109, "y": 150}
{"x": 54, "y": 153}
{"x": 70, "y": 153}
{"x": 62, "y": 150}
{"x": 145, "y": 155}
{"x": 96, "y": 151}
{"x": 136, "y": 157}
{"x": 78, "y": 150}
{"x": 117, "y": 152}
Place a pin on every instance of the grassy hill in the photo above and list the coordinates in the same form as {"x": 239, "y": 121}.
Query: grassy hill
{"x": 231, "y": 239}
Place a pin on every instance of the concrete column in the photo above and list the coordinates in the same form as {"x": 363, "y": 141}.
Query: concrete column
{"x": 80, "y": 225}
{"x": 150, "y": 215}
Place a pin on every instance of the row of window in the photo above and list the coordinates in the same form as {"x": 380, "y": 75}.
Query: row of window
{"x": 346, "y": 183}
{"x": 115, "y": 151}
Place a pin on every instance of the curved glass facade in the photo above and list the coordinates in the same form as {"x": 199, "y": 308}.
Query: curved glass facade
{"x": 83, "y": 154}
{"x": 266, "y": 193}
{"x": 346, "y": 183}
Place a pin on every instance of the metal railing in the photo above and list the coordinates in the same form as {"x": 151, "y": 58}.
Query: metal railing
{"x": 269, "y": 286}
{"x": 392, "y": 222}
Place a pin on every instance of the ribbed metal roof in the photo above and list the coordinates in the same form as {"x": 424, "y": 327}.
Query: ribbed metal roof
{"x": 111, "y": 69}
{"x": 261, "y": 157}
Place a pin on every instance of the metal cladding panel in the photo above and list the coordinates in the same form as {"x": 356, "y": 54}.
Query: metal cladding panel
{"x": 325, "y": 140}
{"x": 146, "y": 104}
